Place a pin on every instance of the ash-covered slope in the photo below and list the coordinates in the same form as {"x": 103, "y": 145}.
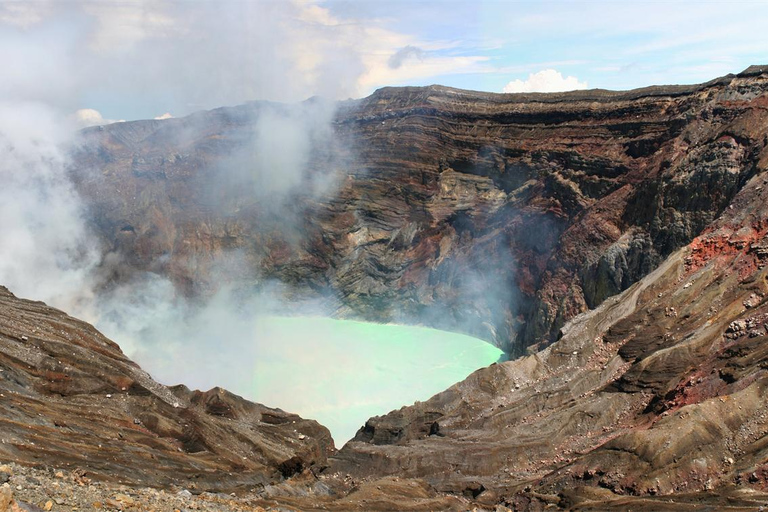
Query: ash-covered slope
{"x": 652, "y": 400}
{"x": 70, "y": 399}
{"x": 655, "y": 400}
{"x": 497, "y": 215}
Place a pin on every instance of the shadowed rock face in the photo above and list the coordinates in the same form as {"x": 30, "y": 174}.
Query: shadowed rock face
{"x": 658, "y": 393}
{"x": 501, "y": 216}
{"x": 69, "y": 398}
{"x": 652, "y": 400}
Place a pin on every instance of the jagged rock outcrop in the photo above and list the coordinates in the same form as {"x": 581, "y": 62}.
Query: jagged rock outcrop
{"x": 70, "y": 399}
{"x": 657, "y": 396}
{"x": 645, "y": 206}
{"x": 498, "y": 215}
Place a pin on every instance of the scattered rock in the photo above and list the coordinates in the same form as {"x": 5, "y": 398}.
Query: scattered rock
{"x": 6, "y": 498}
{"x": 473, "y": 490}
{"x": 752, "y": 301}
{"x": 124, "y": 500}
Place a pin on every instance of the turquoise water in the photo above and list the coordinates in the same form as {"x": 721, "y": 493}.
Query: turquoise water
{"x": 338, "y": 372}
{"x": 342, "y": 372}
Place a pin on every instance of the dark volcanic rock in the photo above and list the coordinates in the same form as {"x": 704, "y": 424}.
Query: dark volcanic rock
{"x": 498, "y": 215}
{"x": 657, "y": 394}
{"x": 71, "y": 399}
{"x": 647, "y": 206}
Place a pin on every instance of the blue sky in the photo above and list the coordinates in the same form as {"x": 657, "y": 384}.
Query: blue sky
{"x": 130, "y": 59}
{"x": 609, "y": 44}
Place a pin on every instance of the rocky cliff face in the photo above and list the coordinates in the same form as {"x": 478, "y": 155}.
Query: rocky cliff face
{"x": 655, "y": 397}
{"x": 647, "y": 207}
{"x": 498, "y": 215}
{"x": 70, "y": 399}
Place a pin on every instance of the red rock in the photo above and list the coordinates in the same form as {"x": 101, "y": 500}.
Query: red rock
{"x": 554, "y": 202}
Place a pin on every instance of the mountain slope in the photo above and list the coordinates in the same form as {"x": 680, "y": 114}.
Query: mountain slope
{"x": 660, "y": 391}
{"x": 71, "y": 399}
{"x": 502, "y": 216}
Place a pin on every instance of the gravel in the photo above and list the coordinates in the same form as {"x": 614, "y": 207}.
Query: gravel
{"x": 50, "y": 489}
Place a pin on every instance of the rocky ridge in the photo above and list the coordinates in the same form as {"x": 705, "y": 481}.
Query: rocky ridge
{"x": 657, "y": 393}
{"x": 70, "y": 398}
{"x": 502, "y": 216}
{"x": 653, "y": 399}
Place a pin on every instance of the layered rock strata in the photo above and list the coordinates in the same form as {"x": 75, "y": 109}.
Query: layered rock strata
{"x": 502, "y": 216}
{"x": 653, "y": 399}
{"x": 657, "y": 396}
{"x": 70, "y": 399}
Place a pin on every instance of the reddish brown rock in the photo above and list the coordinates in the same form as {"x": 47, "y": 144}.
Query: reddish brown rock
{"x": 498, "y": 215}
{"x": 657, "y": 394}
{"x": 70, "y": 398}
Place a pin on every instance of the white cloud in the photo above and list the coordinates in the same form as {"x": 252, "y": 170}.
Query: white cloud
{"x": 281, "y": 51}
{"x": 547, "y": 80}
{"x": 89, "y": 117}
{"x": 167, "y": 115}
{"x": 142, "y": 55}
{"x": 122, "y": 25}
{"x": 379, "y": 72}
{"x": 22, "y": 14}
{"x": 312, "y": 13}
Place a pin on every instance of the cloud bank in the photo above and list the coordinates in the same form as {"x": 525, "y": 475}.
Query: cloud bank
{"x": 547, "y": 80}
{"x": 136, "y": 58}
{"x": 86, "y": 117}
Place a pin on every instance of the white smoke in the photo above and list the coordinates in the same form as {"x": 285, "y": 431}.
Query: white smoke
{"x": 55, "y": 54}
{"x": 284, "y": 140}
{"x": 207, "y": 55}
{"x": 46, "y": 251}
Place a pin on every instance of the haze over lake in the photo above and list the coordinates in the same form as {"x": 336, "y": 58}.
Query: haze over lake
{"x": 338, "y": 372}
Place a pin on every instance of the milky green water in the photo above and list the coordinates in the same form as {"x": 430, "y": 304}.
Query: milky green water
{"x": 338, "y": 372}
{"x": 342, "y": 372}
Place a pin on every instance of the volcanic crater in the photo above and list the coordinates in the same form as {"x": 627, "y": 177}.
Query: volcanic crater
{"x": 612, "y": 243}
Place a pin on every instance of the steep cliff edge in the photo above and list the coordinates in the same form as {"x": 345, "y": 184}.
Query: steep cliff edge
{"x": 646, "y": 206}
{"x": 498, "y": 215}
{"x": 654, "y": 400}
{"x": 70, "y": 399}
